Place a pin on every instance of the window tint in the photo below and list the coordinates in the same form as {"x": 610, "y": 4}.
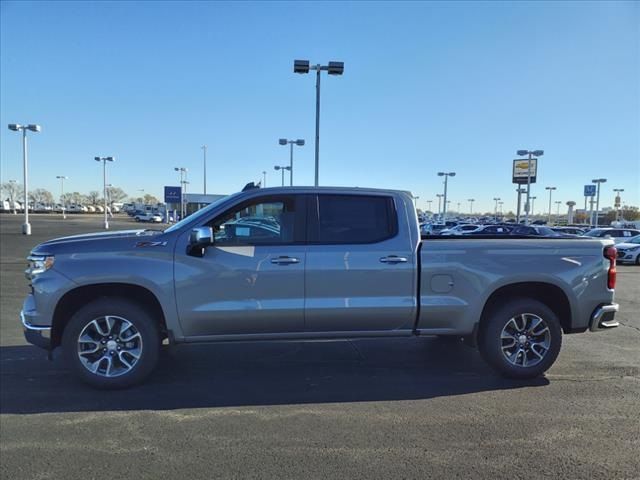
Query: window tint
{"x": 263, "y": 222}
{"x": 355, "y": 219}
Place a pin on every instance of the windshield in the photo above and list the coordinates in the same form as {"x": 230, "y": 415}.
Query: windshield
{"x": 199, "y": 213}
{"x": 547, "y": 231}
{"x": 593, "y": 233}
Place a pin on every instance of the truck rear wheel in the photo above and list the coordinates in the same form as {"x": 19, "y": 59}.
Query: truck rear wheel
{"x": 111, "y": 343}
{"x": 520, "y": 339}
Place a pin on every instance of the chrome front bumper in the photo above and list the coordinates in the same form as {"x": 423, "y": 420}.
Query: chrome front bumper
{"x": 603, "y": 317}
{"x": 37, "y": 335}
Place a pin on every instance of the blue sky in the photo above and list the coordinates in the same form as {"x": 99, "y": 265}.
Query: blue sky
{"x": 427, "y": 86}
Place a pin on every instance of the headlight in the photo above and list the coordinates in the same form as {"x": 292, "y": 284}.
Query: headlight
{"x": 38, "y": 264}
{"x": 632, "y": 249}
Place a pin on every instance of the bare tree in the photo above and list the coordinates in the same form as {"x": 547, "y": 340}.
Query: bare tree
{"x": 94, "y": 196}
{"x": 150, "y": 199}
{"x": 41, "y": 195}
{"x": 12, "y": 190}
{"x": 117, "y": 194}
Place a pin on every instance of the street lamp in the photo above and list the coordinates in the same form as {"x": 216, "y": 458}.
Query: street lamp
{"x": 471, "y": 200}
{"x": 26, "y": 227}
{"x": 415, "y": 201}
{"x": 333, "y": 68}
{"x": 446, "y": 176}
{"x": 278, "y": 167}
{"x": 495, "y": 212}
{"x": 616, "y": 202}
{"x": 558, "y": 203}
{"x": 104, "y": 161}
{"x": 598, "y": 181}
{"x": 300, "y": 143}
{"x": 501, "y": 204}
{"x": 551, "y": 189}
{"x": 439, "y": 195}
{"x": 183, "y": 185}
{"x": 532, "y": 202}
{"x": 264, "y": 179}
{"x": 204, "y": 150}
{"x": 531, "y": 153}
{"x": 62, "y": 178}
{"x": 429, "y": 202}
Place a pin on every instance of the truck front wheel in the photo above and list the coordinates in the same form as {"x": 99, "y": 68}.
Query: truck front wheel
{"x": 111, "y": 343}
{"x": 520, "y": 339}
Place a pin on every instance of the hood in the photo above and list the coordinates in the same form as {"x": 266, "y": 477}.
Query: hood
{"x": 627, "y": 246}
{"x": 102, "y": 239}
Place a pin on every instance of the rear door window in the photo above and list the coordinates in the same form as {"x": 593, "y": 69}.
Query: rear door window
{"x": 354, "y": 219}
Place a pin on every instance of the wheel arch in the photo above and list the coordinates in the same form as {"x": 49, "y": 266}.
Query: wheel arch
{"x": 551, "y": 295}
{"x": 74, "y": 299}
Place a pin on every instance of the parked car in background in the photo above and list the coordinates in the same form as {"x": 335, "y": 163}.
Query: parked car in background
{"x": 618, "y": 235}
{"x": 459, "y": 229}
{"x": 491, "y": 230}
{"x": 536, "y": 230}
{"x": 629, "y": 251}
{"x": 91, "y": 209}
{"x": 569, "y": 230}
{"x": 148, "y": 217}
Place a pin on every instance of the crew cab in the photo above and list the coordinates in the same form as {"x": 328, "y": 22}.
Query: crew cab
{"x": 310, "y": 263}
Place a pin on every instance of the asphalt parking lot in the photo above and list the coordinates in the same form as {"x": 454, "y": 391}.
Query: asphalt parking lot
{"x": 402, "y": 408}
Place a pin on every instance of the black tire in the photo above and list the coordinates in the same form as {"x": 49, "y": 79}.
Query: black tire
{"x": 143, "y": 324}
{"x": 491, "y": 345}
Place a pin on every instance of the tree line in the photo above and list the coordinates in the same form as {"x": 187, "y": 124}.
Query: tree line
{"x": 13, "y": 191}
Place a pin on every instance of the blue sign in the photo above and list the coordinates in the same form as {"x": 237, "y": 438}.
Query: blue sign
{"x": 172, "y": 194}
{"x": 589, "y": 190}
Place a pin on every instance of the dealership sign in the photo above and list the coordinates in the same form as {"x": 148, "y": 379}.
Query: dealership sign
{"x": 172, "y": 194}
{"x": 589, "y": 190}
{"x": 521, "y": 170}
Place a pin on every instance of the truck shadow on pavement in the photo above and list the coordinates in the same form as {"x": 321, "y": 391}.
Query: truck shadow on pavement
{"x": 251, "y": 374}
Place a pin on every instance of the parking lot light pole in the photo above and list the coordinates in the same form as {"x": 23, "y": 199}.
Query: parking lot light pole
{"x": 446, "y": 176}
{"x": 62, "y": 178}
{"x": 429, "y": 202}
{"x": 471, "y": 200}
{"x": 26, "y": 227}
{"x": 104, "y": 161}
{"x": 551, "y": 189}
{"x": 333, "y": 68}
{"x": 558, "y": 203}
{"x": 533, "y": 199}
{"x": 282, "y": 168}
{"x": 183, "y": 174}
{"x": 264, "y": 179}
{"x": 531, "y": 154}
{"x": 501, "y": 204}
{"x": 291, "y": 143}
{"x": 204, "y": 150}
{"x": 439, "y": 195}
{"x": 495, "y": 212}
{"x": 598, "y": 181}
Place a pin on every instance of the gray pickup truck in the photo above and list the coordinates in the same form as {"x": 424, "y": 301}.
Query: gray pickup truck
{"x": 310, "y": 263}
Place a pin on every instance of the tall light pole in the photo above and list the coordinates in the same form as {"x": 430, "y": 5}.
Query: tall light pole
{"x": 616, "y": 202}
{"x": 204, "y": 151}
{"x": 429, "y": 202}
{"x": 533, "y": 199}
{"x": 495, "y": 212}
{"x": 415, "y": 201}
{"x": 439, "y": 195}
{"x": 104, "y": 161}
{"x": 446, "y": 176}
{"x": 551, "y": 189}
{"x": 598, "y": 181}
{"x": 264, "y": 179}
{"x": 291, "y": 143}
{"x": 62, "y": 178}
{"x": 501, "y": 204}
{"x": 558, "y": 203}
{"x": 471, "y": 200}
{"x": 333, "y": 68}
{"x": 183, "y": 175}
{"x": 531, "y": 154}
{"x": 26, "y": 227}
{"x": 278, "y": 167}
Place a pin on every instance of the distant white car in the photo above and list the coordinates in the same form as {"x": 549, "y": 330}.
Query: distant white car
{"x": 148, "y": 217}
{"x": 91, "y": 208}
{"x": 629, "y": 251}
{"x": 618, "y": 235}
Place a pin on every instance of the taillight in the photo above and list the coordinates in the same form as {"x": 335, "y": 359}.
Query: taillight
{"x": 611, "y": 253}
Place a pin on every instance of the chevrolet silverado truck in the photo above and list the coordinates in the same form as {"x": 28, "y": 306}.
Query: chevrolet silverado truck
{"x": 304, "y": 264}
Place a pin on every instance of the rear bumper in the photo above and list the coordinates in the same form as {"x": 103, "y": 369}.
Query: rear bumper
{"x": 603, "y": 317}
{"x": 40, "y": 336}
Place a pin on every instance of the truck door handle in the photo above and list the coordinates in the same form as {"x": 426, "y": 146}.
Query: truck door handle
{"x": 284, "y": 260}
{"x": 393, "y": 259}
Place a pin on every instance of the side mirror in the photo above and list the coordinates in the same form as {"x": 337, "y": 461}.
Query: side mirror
{"x": 199, "y": 239}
